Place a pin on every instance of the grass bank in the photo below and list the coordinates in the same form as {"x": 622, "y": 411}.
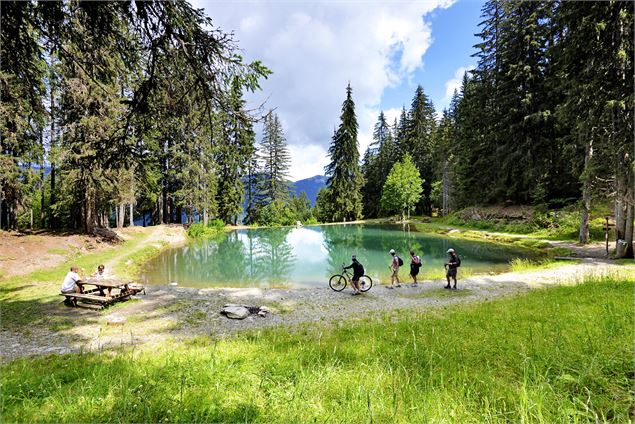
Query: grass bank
{"x": 29, "y": 299}
{"x": 563, "y": 354}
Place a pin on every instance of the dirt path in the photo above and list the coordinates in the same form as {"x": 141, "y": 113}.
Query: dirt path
{"x": 180, "y": 313}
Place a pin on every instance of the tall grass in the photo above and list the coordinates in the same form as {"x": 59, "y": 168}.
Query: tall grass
{"x": 562, "y": 354}
{"x": 213, "y": 227}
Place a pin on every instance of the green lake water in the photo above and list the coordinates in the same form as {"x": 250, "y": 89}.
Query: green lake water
{"x": 308, "y": 256}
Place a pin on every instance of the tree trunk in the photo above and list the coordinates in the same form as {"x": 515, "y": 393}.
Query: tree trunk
{"x": 446, "y": 189}
{"x": 52, "y": 200}
{"x": 587, "y": 179}
{"x": 159, "y": 207}
{"x": 121, "y": 215}
{"x": 42, "y": 199}
{"x": 179, "y": 215}
{"x": 205, "y": 218}
{"x": 89, "y": 211}
{"x": 131, "y": 222}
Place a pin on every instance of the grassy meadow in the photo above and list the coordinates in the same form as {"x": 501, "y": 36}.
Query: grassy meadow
{"x": 563, "y": 354}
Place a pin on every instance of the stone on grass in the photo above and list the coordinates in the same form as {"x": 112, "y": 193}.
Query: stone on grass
{"x": 235, "y": 312}
{"x": 115, "y": 320}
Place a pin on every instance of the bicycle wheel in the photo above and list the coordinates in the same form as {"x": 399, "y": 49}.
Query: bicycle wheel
{"x": 337, "y": 282}
{"x": 365, "y": 283}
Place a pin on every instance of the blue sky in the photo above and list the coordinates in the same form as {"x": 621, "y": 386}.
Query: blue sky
{"x": 314, "y": 48}
{"x": 453, "y": 32}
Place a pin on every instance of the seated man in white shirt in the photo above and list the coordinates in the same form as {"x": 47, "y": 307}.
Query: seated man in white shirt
{"x": 70, "y": 284}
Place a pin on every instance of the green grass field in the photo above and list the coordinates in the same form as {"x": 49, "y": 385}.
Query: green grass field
{"x": 563, "y": 354}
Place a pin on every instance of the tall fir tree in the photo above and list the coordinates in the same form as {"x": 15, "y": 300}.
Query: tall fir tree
{"x": 419, "y": 143}
{"x": 344, "y": 179}
{"x": 276, "y": 161}
{"x": 376, "y": 164}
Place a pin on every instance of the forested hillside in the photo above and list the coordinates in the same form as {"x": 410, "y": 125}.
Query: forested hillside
{"x": 546, "y": 118}
{"x": 137, "y": 108}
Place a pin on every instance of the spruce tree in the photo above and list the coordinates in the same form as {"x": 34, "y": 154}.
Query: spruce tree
{"x": 376, "y": 164}
{"x": 344, "y": 179}
{"x": 276, "y": 161}
{"x": 419, "y": 143}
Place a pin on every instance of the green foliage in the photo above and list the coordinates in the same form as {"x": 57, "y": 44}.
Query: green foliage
{"x": 402, "y": 189}
{"x": 531, "y": 358}
{"x": 142, "y": 103}
{"x": 213, "y": 227}
{"x": 283, "y": 213}
{"x": 561, "y": 224}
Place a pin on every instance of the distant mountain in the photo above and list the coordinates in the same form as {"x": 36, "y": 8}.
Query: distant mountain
{"x": 310, "y": 186}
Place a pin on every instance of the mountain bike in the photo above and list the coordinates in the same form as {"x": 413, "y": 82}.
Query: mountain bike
{"x": 338, "y": 281}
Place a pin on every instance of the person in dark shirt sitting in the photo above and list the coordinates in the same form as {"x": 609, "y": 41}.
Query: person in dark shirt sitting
{"x": 358, "y": 271}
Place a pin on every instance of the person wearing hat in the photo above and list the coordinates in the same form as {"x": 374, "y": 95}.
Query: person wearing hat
{"x": 358, "y": 271}
{"x": 394, "y": 267}
{"x": 452, "y": 266}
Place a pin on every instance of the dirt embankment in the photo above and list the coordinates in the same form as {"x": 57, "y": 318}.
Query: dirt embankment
{"x": 23, "y": 253}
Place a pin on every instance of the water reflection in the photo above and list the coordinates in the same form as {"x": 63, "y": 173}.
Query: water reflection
{"x": 297, "y": 257}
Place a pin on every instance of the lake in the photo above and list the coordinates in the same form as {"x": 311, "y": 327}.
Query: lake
{"x": 308, "y": 256}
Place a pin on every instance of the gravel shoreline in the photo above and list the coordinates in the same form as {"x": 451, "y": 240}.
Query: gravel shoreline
{"x": 180, "y": 313}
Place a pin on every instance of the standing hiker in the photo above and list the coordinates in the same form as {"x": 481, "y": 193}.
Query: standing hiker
{"x": 452, "y": 267}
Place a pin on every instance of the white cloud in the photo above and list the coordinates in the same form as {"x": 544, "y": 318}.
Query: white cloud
{"x": 315, "y": 49}
{"x": 307, "y": 160}
{"x": 454, "y": 83}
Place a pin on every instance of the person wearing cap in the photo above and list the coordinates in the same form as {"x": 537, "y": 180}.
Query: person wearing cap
{"x": 451, "y": 267}
{"x": 358, "y": 271}
{"x": 394, "y": 267}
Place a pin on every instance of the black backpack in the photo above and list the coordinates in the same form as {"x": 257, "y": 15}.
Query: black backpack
{"x": 400, "y": 261}
{"x": 458, "y": 261}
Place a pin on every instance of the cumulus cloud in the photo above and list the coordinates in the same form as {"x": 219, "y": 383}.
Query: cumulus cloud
{"x": 315, "y": 50}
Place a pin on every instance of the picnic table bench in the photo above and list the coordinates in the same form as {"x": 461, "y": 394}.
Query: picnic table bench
{"x": 101, "y": 294}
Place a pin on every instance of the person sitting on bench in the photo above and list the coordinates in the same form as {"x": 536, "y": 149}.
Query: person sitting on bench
{"x": 100, "y": 273}
{"x": 71, "y": 282}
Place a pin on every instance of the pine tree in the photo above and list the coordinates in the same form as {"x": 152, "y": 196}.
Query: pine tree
{"x": 233, "y": 157}
{"x": 344, "y": 178}
{"x": 419, "y": 143}
{"x": 276, "y": 161}
{"x": 378, "y": 160}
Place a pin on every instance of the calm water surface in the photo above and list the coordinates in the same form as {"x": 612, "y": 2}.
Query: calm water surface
{"x": 304, "y": 257}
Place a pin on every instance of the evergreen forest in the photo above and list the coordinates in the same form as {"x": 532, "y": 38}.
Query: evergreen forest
{"x": 118, "y": 111}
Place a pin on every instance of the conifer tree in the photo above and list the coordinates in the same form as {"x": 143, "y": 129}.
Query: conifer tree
{"x": 276, "y": 161}
{"x": 344, "y": 179}
{"x": 377, "y": 162}
{"x": 419, "y": 143}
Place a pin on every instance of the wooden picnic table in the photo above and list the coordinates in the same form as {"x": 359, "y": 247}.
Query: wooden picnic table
{"x": 101, "y": 294}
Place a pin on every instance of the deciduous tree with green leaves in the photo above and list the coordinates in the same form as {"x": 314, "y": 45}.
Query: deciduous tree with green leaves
{"x": 402, "y": 189}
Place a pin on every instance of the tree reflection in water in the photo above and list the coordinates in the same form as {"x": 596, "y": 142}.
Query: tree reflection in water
{"x": 304, "y": 257}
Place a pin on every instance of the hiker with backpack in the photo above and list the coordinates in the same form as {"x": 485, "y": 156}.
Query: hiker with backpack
{"x": 415, "y": 264}
{"x": 394, "y": 267}
{"x": 452, "y": 266}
